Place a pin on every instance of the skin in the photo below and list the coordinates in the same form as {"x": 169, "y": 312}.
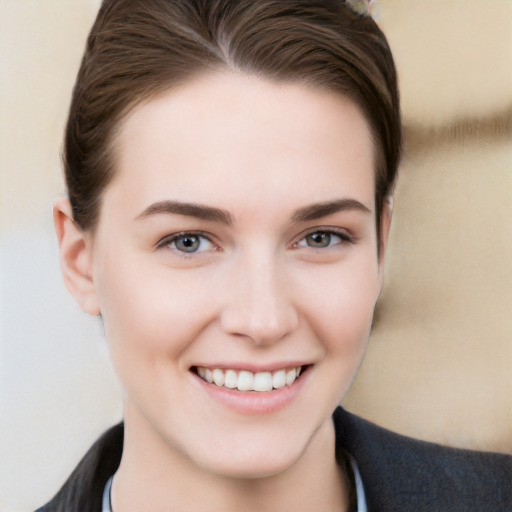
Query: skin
{"x": 259, "y": 292}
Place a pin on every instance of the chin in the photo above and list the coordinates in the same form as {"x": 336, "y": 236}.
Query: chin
{"x": 259, "y": 454}
{"x": 254, "y": 465}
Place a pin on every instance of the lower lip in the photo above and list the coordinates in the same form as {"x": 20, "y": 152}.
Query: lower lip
{"x": 255, "y": 402}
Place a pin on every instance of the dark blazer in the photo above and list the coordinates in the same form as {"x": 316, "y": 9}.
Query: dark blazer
{"x": 399, "y": 474}
{"x": 404, "y": 474}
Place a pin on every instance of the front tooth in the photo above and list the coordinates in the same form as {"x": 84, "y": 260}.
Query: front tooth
{"x": 245, "y": 381}
{"x": 208, "y": 375}
{"x": 291, "y": 375}
{"x": 263, "y": 381}
{"x": 218, "y": 377}
{"x": 230, "y": 379}
{"x": 279, "y": 379}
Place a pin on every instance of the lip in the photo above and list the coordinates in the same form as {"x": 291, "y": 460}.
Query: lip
{"x": 255, "y": 368}
{"x": 254, "y": 402}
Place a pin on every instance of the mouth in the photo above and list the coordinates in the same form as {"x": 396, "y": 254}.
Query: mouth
{"x": 244, "y": 380}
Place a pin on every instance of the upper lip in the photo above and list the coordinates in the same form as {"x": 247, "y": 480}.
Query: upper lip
{"x": 251, "y": 367}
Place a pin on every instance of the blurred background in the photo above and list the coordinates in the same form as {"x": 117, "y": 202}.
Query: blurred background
{"x": 439, "y": 364}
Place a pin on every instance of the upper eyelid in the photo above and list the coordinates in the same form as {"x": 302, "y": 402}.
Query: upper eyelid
{"x": 342, "y": 232}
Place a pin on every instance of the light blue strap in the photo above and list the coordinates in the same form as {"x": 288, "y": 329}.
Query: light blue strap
{"x": 105, "y": 502}
{"x": 361, "y": 497}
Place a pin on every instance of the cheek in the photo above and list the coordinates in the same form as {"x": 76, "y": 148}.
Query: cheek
{"x": 149, "y": 313}
{"x": 340, "y": 306}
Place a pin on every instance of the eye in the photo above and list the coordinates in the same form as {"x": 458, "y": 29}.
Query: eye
{"x": 323, "y": 239}
{"x": 187, "y": 243}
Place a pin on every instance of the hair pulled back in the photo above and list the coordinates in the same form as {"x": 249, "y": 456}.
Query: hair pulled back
{"x": 138, "y": 48}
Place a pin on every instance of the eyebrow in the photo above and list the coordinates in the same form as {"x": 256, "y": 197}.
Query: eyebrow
{"x": 304, "y": 214}
{"x": 188, "y": 210}
{"x": 319, "y": 210}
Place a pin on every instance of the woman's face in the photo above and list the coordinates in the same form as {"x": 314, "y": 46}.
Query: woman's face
{"x": 237, "y": 243}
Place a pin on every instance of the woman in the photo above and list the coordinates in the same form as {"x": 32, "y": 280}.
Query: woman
{"x": 230, "y": 167}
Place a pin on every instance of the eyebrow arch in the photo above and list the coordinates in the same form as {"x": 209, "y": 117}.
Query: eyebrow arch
{"x": 188, "y": 210}
{"x": 319, "y": 210}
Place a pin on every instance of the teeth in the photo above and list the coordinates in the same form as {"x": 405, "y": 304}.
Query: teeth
{"x": 218, "y": 377}
{"x": 291, "y": 375}
{"x": 248, "y": 381}
{"x": 245, "y": 381}
{"x": 263, "y": 381}
{"x": 230, "y": 379}
{"x": 279, "y": 379}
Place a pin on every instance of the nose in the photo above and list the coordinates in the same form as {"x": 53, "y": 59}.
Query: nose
{"x": 259, "y": 305}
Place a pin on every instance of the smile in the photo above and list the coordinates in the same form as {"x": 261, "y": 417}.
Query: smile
{"x": 243, "y": 380}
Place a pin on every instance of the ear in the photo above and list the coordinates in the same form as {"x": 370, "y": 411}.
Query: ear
{"x": 75, "y": 250}
{"x": 385, "y": 226}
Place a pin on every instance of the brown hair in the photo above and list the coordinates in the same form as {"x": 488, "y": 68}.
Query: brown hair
{"x": 138, "y": 48}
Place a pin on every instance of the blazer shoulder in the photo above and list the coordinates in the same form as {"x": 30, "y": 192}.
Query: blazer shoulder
{"x": 422, "y": 475}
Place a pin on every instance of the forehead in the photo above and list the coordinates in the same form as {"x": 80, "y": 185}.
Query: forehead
{"x": 232, "y": 135}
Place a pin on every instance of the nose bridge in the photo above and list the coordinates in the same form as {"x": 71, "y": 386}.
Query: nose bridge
{"x": 259, "y": 306}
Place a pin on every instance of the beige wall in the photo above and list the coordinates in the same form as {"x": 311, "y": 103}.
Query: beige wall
{"x": 439, "y": 364}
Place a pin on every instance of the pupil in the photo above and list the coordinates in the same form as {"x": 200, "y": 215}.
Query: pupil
{"x": 188, "y": 243}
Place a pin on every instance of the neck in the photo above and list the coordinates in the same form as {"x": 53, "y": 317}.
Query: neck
{"x": 155, "y": 476}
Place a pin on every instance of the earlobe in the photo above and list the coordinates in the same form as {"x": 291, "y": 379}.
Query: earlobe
{"x": 75, "y": 250}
